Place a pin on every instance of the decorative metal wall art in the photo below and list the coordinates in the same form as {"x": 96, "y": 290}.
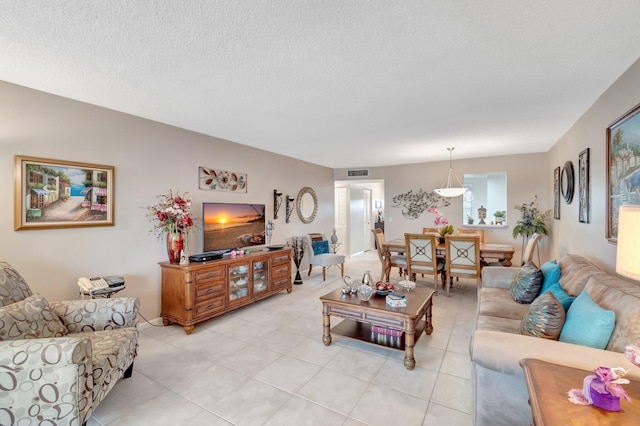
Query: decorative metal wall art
{"x": 583, "y": 187}
{"x": 222, "y": 180}
{"x": 277, "y": 202}
{"x": 413, "y": 205}
{"x": 556, "y": 193}
{"x": 289, "y": 202}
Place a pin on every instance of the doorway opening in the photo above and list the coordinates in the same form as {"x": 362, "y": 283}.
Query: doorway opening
{"x": 359, "y": 208}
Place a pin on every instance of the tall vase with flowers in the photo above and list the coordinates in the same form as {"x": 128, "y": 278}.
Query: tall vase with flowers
{"x": 171, "y": 215}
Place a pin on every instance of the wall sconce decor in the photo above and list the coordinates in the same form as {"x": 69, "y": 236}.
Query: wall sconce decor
{"x": 277, "y": 202}
{"x": 289, "y": 208}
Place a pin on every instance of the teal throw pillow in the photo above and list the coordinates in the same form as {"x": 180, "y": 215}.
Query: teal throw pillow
{"x": 561, "y": 295}
{"x": 526, "y": 284}
{"x": 551, "y": 273}
{"x": 588, "y": 324}
{"x": 544, "y": 319}
{"x": 320, "y": 247}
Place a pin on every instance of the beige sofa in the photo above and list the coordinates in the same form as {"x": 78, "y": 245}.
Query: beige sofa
{"x": 58, "y": 360}
{"x": 500, "y": 391}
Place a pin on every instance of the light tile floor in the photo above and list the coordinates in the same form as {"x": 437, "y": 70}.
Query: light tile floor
{"x": 265, "y": 364}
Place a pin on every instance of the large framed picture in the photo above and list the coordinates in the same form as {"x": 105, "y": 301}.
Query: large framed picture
{"x": 583, "y": 187}
{"x": 623, "y": 167}
{"x": 62, "y": 194}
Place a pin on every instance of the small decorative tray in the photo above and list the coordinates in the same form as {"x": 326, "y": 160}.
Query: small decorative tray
{"x": 409, "y": 285}
{"x": 275, "y": 247}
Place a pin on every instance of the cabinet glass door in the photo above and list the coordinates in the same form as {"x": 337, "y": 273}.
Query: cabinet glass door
{"x": 239, "y": 278}
{"x": 260, "y": 276}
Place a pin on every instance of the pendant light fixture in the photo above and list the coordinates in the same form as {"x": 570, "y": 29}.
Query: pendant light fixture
{"x": 447, "y": 190}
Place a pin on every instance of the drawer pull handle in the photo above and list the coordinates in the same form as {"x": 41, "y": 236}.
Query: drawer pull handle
{"x": 210, "y": 307}
{"x": 211, "y": 290}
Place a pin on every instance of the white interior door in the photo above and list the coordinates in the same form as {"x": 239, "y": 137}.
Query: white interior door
{"x": 341, "y": 216}
{"x": 367, "y": 242}
{"x": 356, "y": 220}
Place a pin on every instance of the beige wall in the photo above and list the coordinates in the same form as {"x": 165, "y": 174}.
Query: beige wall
{"x": 149, "y": 158}
{"x": 526, "y": 177}
{"x": 529, "y": 175}
{"x": 589, "y": 239}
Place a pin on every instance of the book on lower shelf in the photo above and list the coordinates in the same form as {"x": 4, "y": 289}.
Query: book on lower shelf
{"x": 386, "y": 336}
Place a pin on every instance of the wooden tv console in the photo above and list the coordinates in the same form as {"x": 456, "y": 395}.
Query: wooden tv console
{"x": 200, "y": 291}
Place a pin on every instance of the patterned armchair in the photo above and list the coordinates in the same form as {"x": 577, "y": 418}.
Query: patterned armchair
{"x": 59, "y": 360}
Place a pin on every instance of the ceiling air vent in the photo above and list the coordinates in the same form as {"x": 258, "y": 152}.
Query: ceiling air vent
{"x": 357, "y": 173}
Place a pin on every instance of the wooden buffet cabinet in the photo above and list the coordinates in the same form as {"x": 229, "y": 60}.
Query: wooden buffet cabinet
{"x": 200, "y": 291}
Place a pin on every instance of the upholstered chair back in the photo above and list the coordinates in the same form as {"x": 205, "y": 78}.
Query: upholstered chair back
{"x": 13, "y": 288}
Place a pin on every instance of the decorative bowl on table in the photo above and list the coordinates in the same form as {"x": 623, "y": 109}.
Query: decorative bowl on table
{"x": 383, "y": 288}
{"x": 407, "y": 285}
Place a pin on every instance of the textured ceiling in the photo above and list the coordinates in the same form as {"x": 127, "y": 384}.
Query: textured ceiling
{"x": 337, "y": 83}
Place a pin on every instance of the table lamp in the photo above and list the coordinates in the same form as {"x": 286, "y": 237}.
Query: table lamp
{"x": 628, "y": 258}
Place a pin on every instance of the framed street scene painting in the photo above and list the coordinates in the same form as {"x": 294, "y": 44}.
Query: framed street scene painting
{"x": 623, "y": 167}
{"x": 62, "y": 194}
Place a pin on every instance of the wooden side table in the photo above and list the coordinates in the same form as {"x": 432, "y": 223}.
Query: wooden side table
{"x": 548, "y": 385}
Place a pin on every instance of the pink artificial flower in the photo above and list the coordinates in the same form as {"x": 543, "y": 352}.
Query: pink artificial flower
{"x": 611, "y": 379}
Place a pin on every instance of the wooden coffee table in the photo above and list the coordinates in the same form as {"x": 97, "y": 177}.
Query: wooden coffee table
{"x": 360, "y": 316}
{"x": 548, "y": 385}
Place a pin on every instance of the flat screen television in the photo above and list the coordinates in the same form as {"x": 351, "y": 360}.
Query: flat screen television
{"x": 228, "y": 226}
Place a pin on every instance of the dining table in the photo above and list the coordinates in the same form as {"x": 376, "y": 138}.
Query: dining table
{"x": 502, "y": 252}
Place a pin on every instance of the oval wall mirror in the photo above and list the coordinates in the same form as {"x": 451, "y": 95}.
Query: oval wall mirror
{"x": 307, "y": 205}
{"x": 567, "y": 182}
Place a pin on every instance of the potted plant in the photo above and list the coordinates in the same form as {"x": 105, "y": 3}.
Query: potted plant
{"x": 447, "y": 229}
{"x": 469, "y": 220}
{"x": 532, "y": 220}
{"x": 499, "y": 215}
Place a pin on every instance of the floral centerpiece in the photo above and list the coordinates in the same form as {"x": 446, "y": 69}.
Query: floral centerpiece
{"x": 442, "y": 222}
{"x": 171, "y": 215}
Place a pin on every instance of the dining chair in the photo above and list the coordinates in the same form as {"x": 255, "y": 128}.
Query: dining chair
{"x": 431, "y": 231}
{"x": 462, "y": 254}
{"x": 397, "y": 261}
{"x": 421, "y": 257}
{"x": 466, "y": 231}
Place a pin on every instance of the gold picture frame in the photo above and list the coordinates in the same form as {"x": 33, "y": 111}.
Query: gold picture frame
{"x": 623, "y": 175}
{"x": 62, "y": 194}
